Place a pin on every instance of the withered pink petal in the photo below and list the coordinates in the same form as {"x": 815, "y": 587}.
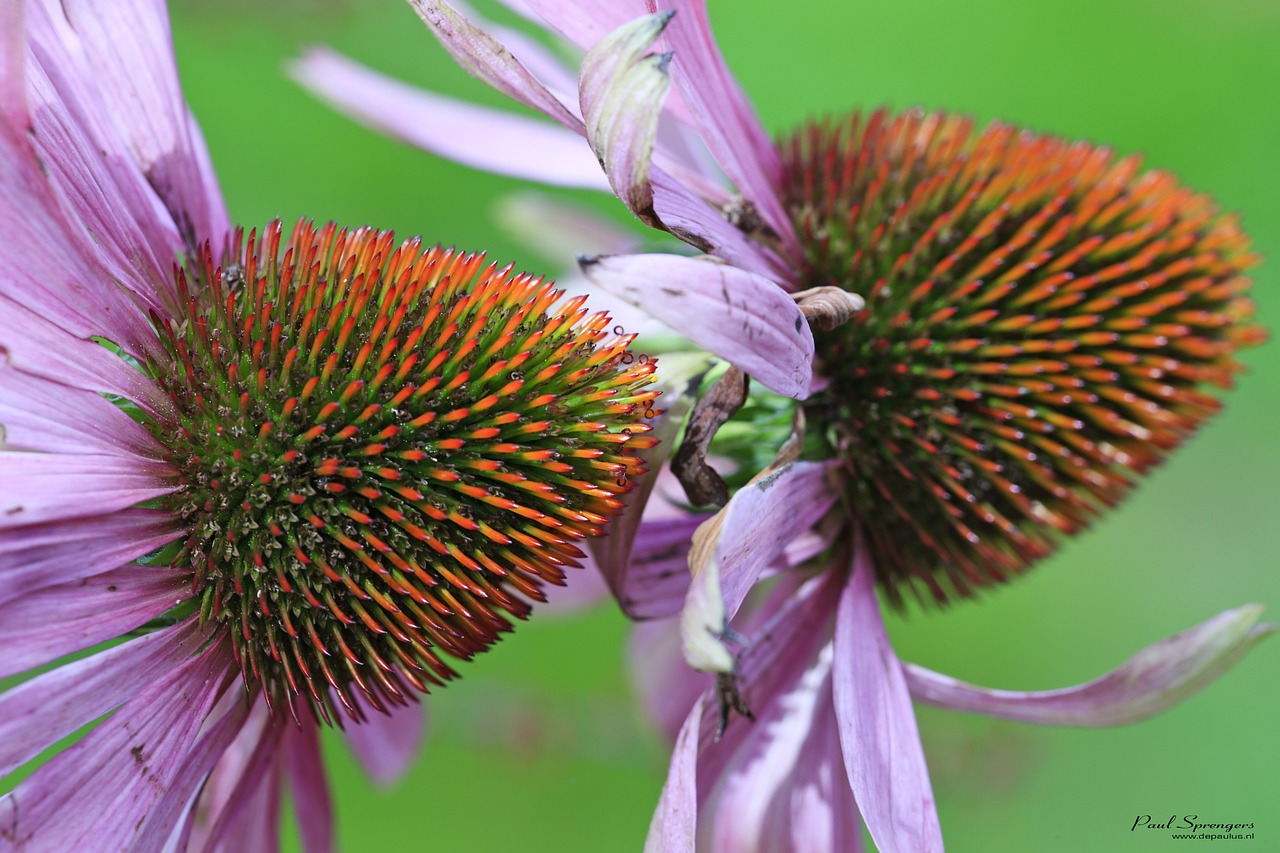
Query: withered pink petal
{"x": 878, "y": 735}
{"x": 308, "y": 787}
{"x": 40, "y": 487}
{"x": 89, "y": 611}
{"x": 60, "y": 552}
{"x": 386, "y": 744}
{"x": 493, "y": 140}
{"x": 657, "y": 579}
{"x": 621, "y": 87}
{"x": 739, "y": 316}
{"x": 583, "y": 22}
{"x": 489, "y": 61}
{"x": 724, "y": 116}
{"x": 1153, "y": 680}
{"x": 674, "y": 826}
{"x": 37, "y": 713}
{"x": 105, "y": 785}
{"x": 734, "y": 547}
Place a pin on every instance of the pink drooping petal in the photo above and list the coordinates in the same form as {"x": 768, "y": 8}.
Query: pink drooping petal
{"x": 583, "y": 22}
{"x": 786, "y": 789}
{"x": 312, "y": 808}
{"x": 170, "y": 816}
{"x": 40, "y": 487}
{"x": 130, "y": 54}
{"x": 89, "y": 611}
{"x": 33, "y": 344}
{"x": 1153, "y": 680}
{"x": 239, "y": 808}
{"x": 724, "y": 116}
{"x": 39, "y": 712}
{"x": 99, "y": 791}
{"x": 739, "y": 316}
{"x": 490, "y": 62}
{"x": 878, "y": 734}
{"x": 622, "y": 87}
{"x": 732, "y": 549}
{"x": 493, "y": 140}
{"x": 39, "y": 414}
{"x": 62, "y": 552}
{"x": 546, "y": 64}
{"x": 675, "y": 822}
{"x": 386, "y": 744}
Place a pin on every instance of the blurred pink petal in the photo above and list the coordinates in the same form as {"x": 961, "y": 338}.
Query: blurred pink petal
{"x": 386, "y": 744}
{"x": 312, "y": 808}
{"x": 497, "y": 141}
{"x": 739, "y": 316}
{"x": 878, "y": 733}
{"x": 1152, "y": 681}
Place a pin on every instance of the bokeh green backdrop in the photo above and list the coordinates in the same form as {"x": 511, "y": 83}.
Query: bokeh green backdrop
{"x": 538, "y": 747}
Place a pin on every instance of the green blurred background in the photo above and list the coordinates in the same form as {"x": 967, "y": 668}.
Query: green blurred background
{"x": 538, "y": 747}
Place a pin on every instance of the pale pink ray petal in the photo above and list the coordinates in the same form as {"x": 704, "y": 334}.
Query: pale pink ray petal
{"x": 256, "y": 827}
{"x": 732, "y": 549}
{"x": 91, "y": 166}
{"x": 582, "y": 22}
{"x": 490, "y": 62}
{"x": 89, "y": 611}
{"x": 386, "y": 744}
{"x": 131, "y": 56}
{"x": 621, "y": 88}
{"x": 173, "y": 811}
{"x": 104, "y": 786}
{"x": 41, "y": 487}
{"x": 493, "y": 140}
{"x": 61, "y": 552}
{"x": 787, "y": 630}
{"x": 308, "y": 786}
{"x": 703, "y": 225}
{"x": 42, "y": 266}
{"x": 781, "y": 790}
{"x": 38, "y": 414}
{"x": 725, "y": 117}
{"x": 878, "y": 734}
{"x": 38, "y": 712}
{"x": 1152, "y": 681}
{"x": 739, "y": 316}
{"x": 674, "y": 826}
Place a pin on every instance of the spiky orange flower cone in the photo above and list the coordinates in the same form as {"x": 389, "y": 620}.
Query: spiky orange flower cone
{"x": 1042, "y": 323}
{"x": 384, "y": 451}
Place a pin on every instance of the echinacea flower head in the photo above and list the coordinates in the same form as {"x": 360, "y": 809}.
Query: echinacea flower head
{"x": 991, "y": 335}
{"x": 260, "y": 481}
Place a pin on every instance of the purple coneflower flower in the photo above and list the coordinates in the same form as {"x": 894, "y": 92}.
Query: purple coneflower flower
{"x": 319, "y": 463}
{"x": 992, "y": 334}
